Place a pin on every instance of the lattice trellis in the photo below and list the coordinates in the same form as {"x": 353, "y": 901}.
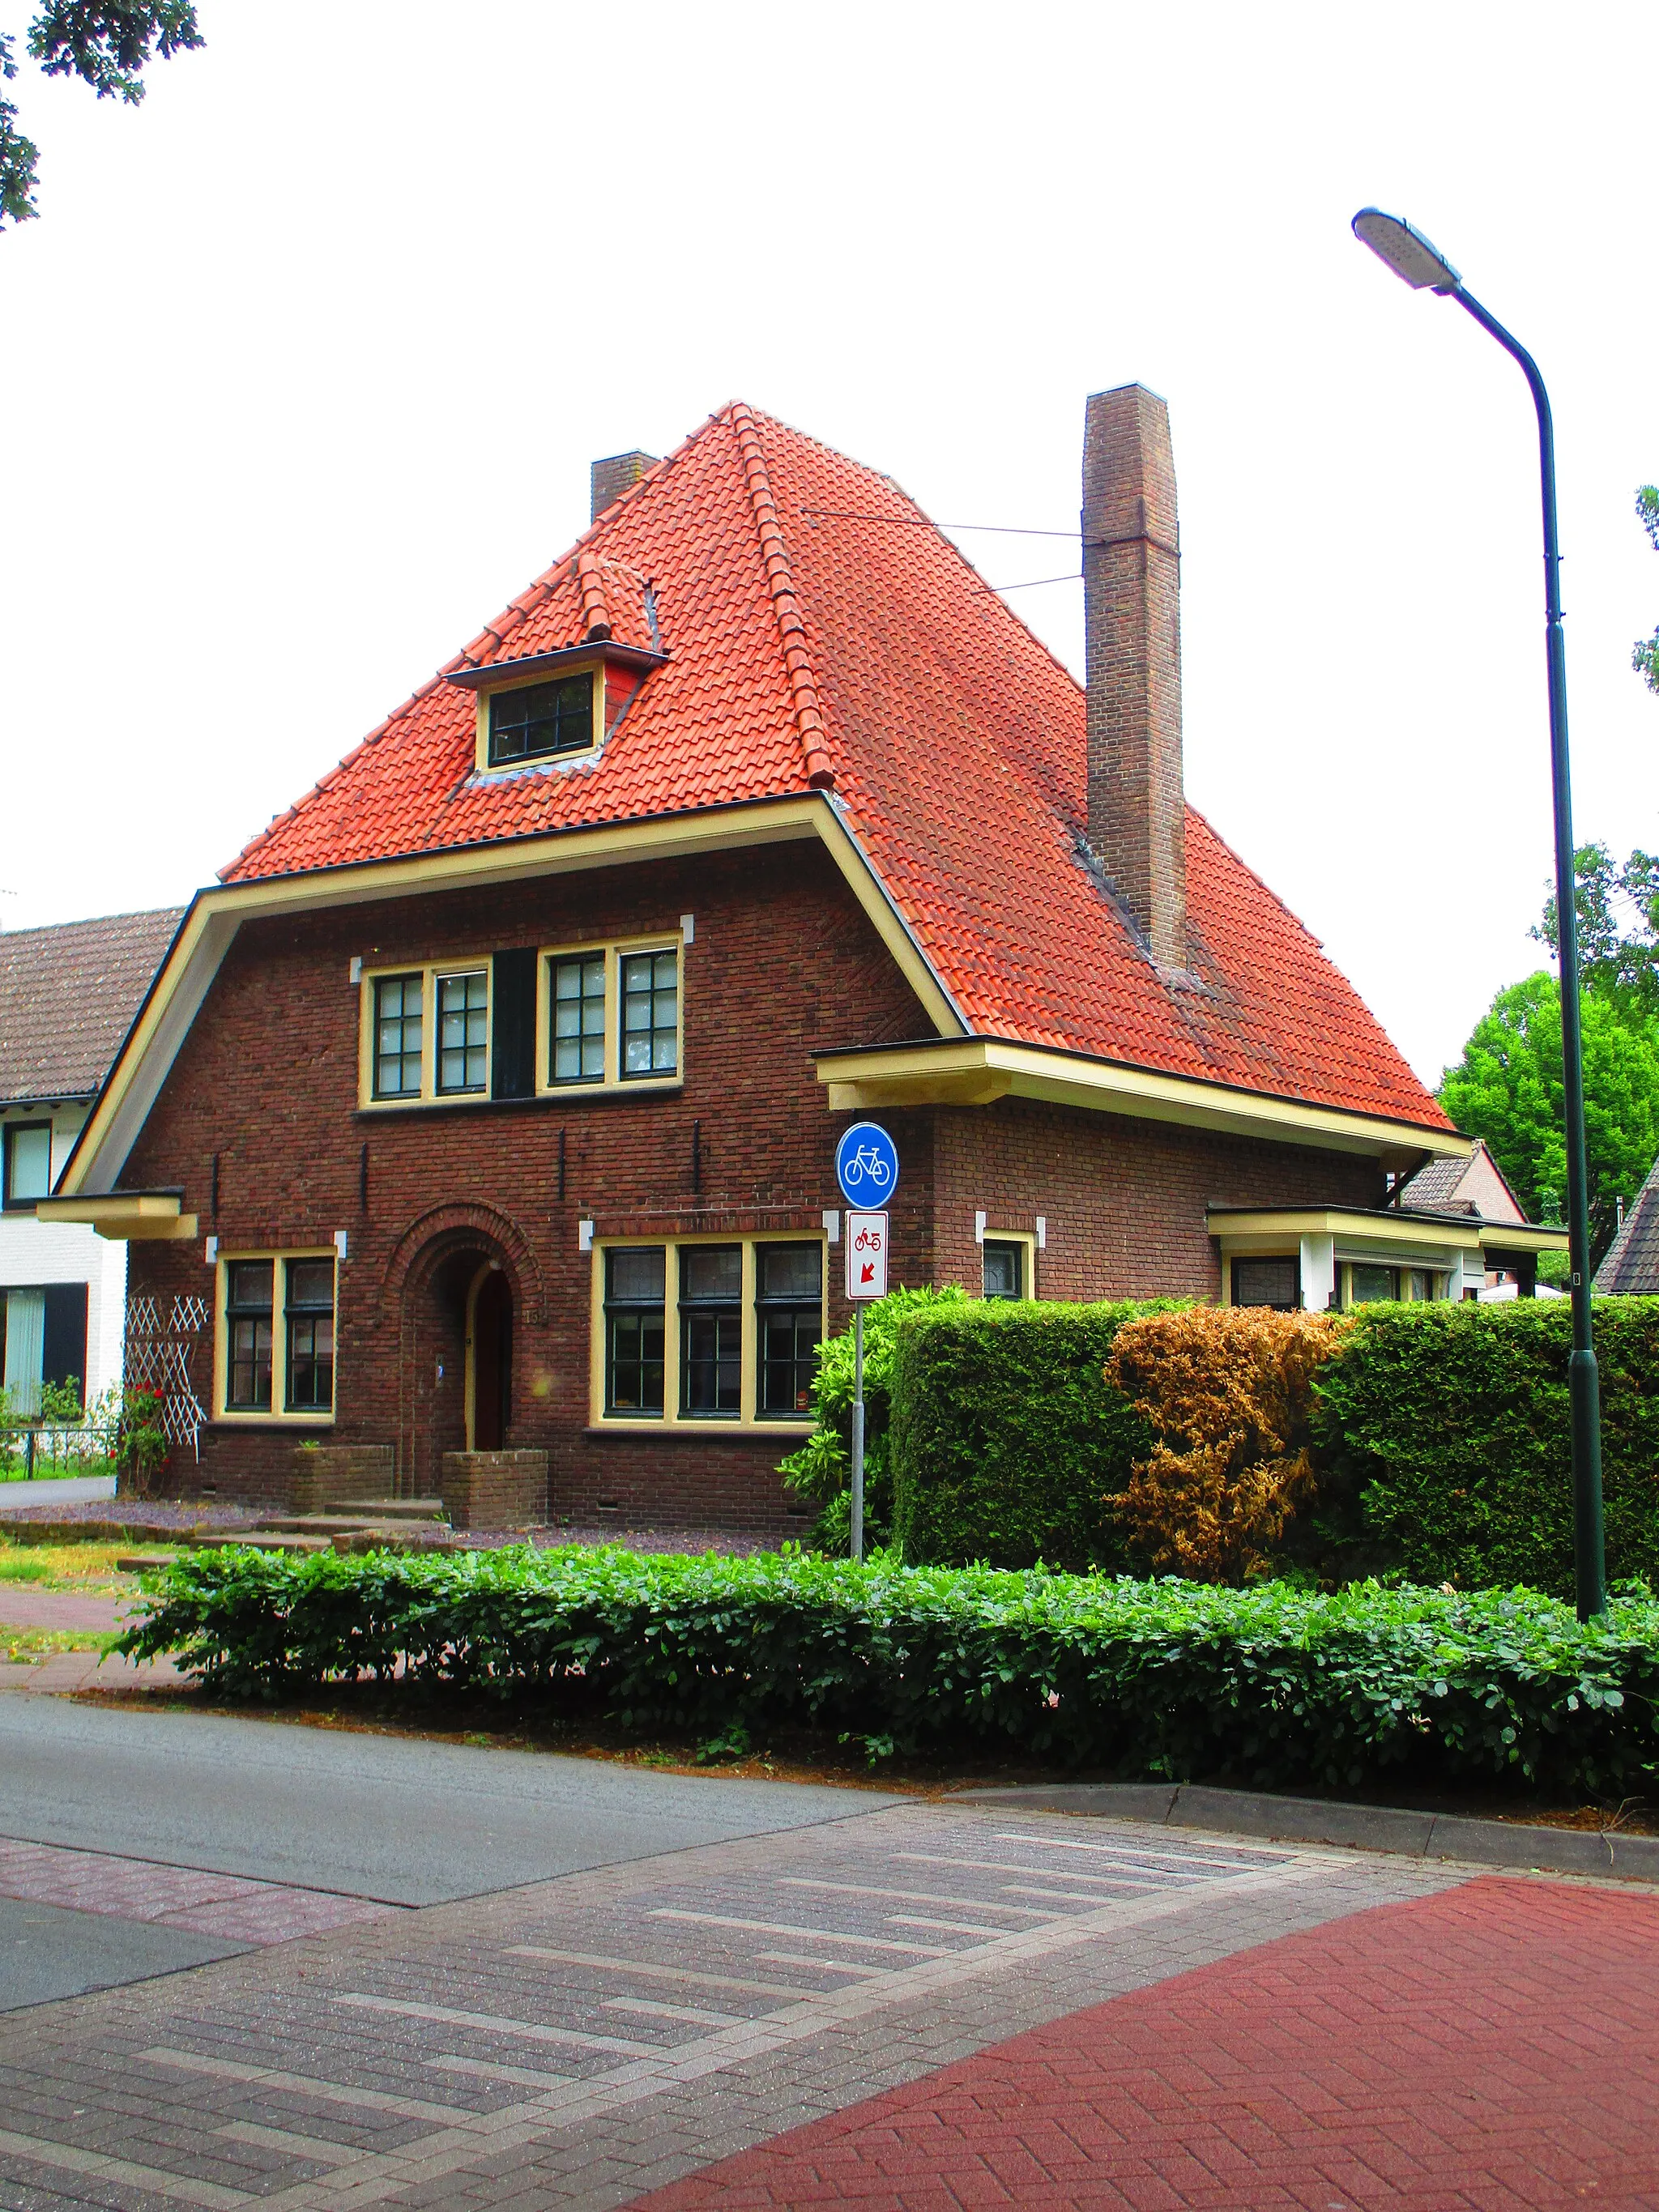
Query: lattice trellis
{"x": 158, "y": 1355}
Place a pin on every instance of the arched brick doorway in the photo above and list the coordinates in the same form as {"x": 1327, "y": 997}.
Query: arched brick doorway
{"x": 457, "y": 1305}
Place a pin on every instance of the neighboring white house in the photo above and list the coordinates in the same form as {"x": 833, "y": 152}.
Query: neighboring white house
{"x": 68, "y": 996}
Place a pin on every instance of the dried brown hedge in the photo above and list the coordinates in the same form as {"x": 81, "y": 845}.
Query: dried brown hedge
{"x": 1229, "y": 1393}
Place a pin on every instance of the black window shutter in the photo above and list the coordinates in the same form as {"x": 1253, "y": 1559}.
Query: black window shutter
{"x": 63, "y": 1355}
{"x": 513, "y": 1074}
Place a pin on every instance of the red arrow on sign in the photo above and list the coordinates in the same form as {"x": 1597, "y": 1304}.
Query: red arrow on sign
{"x": 869, "y": 1272}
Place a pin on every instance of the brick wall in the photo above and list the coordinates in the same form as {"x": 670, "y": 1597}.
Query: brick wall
{"x": 1124, "y": 1199}
{"x": 783, "y": 961}
{"x": 494, "y": 1489}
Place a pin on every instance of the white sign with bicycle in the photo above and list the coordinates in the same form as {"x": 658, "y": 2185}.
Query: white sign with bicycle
{"x": 866, "y": 1255}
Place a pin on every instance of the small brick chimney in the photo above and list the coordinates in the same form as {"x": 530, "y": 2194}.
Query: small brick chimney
{"x": 612, "y": 476}
{"x": 1131, "y": 615}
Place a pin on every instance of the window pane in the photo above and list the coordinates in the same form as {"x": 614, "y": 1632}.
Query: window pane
{"x": 579, "y": 1020}
{"x": 1275, "y": 1283}
{"x": 790, "y": 1271}
{"x": 711, "y": 1271}
{"x": 635, "y": 1328}
{"x": 310, "y": 1335}
{"x": 463, "y": 1031}
{"x": 650, "y": 984}
{"x": 1004, "y": 1270}
{"x": 542, "y": 720}
{"x": 711, "y": 1353}
{"x": 397, "y": 1037}
{"x": 28, "y": 1162}
{"x": 248, "y": 1316}
{"x": 1372, "y": 1283}
{"x": 638, "y": 1272}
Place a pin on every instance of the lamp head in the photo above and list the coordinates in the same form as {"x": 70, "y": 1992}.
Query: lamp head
{"x": 1407, "y": 252}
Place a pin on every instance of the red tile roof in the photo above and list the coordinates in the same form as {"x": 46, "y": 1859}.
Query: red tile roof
{"x": 821, "y": 633}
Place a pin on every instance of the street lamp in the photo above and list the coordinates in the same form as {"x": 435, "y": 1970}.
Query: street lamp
{"x": 1424, "y": 267}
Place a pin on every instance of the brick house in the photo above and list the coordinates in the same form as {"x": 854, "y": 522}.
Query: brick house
{"x": 488, "y": 1101}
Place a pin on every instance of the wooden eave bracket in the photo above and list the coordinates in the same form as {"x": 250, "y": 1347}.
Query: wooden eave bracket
{"x": 126, "y": 1216}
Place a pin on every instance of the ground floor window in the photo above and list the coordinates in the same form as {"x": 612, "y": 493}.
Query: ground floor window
{"x": 635, "y": 1328}
{"x": 689, "y": 1330}
{"x": 1003, "y": 1267}
{"x": 1274, "y": 1283}
{"x": 1369, "y": 1283}
{"x": 43, "y": 1344}
{"x": 275, "y": 1335}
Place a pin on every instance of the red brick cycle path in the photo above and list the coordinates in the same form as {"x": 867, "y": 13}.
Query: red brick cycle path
{"x": 1490, "y": 2048}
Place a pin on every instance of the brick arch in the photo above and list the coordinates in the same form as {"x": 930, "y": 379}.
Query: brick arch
{"x": 432, "y": 1236}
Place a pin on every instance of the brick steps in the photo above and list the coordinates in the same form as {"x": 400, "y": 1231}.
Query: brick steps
{"x": 388, "y": 1509}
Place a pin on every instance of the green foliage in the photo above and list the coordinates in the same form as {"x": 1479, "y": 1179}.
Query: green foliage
{"x": 141, "y": 1438}
{"x": 107, "y": 43}
{"x": 1644, "y": 654}
{"x": 1617, "y": 906}
{"x": 1508, "y": 1089}
{"x": 1007, "y": 1436}
{"x": 823, "y": 1468}
{"x": 1448, "y": 1425}
{"x": 1268, "y": 1685}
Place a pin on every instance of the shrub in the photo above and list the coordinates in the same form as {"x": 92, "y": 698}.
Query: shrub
{"x": 1268, "y": 1685}
{"x": 1006, "y": 1434}
{"x": 823, "y": 1468}
{"x": 1228, "y": 1395}
{"x": 1450, "y": 1423}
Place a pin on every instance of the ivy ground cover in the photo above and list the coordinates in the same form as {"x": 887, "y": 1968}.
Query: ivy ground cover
{"x": 1269, "y": 1685}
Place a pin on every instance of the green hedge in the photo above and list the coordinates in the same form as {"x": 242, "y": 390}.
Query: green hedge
{"x": 1006, "y": 1437}
{"x": 1449, "y": 1426}
{"x": 1268, "y": 1685}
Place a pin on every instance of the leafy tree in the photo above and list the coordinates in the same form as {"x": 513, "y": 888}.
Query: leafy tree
{"x": 1508, "y": 1089}
{"x": 107, "y": 43}
{"x": 1644, "y": 654}
{"x": 1617, "y": 904}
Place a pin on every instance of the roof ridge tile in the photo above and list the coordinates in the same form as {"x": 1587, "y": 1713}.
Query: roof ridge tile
{"x": 590, "y": 583}
{"x": 786, "y": 606}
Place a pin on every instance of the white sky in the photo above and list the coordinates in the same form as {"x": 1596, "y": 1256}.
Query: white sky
{"x": 307, "y": 358}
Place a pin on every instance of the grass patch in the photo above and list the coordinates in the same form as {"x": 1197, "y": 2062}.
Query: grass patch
{"x": 18, "y": 1644}
{"x": 88, "y": 1568}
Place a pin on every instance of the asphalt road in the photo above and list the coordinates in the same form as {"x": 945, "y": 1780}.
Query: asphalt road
{"x": 396, "y": 1818}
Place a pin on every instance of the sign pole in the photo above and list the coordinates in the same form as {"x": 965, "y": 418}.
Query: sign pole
{"x": 858, "y": 1432}
{"x": 866, "y": 1167}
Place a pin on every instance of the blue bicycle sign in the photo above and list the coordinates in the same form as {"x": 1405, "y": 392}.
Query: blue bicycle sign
{"x": 867, "y": 1165}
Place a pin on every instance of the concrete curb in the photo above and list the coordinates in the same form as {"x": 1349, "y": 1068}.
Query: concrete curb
{"x": 1357, "y": 1827}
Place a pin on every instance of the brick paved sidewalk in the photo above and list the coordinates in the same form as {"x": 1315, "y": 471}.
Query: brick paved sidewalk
{"x": 227, "y": 1905}
{"x": 1489, "y": 2047}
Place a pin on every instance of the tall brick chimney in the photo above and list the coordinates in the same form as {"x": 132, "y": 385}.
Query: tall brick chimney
{"x": 611, "y": 477}
{"x": 1132, "y": 614}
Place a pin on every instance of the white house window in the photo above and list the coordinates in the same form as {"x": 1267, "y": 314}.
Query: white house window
{"x": 464, "y": 1032}
{"x": 1274, "y": 1283}
{"x": 26, "y": 1168}
{"x": 650, "y": 1001}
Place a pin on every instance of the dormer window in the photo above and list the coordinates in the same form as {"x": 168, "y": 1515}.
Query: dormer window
{"x": 541, "y": 722}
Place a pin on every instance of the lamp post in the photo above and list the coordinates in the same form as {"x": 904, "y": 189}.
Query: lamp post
{"x": 1423, "y": 266}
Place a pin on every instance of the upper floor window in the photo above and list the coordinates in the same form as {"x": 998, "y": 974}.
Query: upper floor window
{"x": 463, "y": 1031}
{"x": 539, "y": 721}
{"x": 651, "y": 1022}
{"x": 579, "y": 1000}
{"x": 397, "y": 1025}
{"x": 26, "y": 1163}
